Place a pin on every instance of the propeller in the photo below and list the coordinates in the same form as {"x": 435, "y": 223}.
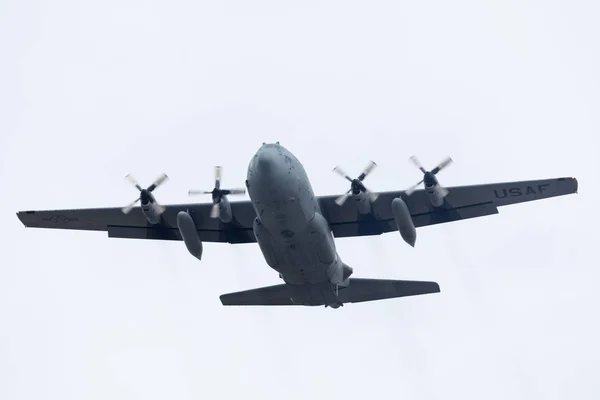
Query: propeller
{"x": 145, "y": 194}
{"x": 356, "y": 184}
{"x": 429, "y": 177}
{"x": 217, "y": 193}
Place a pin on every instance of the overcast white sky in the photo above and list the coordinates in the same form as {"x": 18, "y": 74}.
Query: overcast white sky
{"x": 91, "y": 91}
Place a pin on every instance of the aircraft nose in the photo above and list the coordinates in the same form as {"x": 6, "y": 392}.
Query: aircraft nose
{"x": 265, "y": 162}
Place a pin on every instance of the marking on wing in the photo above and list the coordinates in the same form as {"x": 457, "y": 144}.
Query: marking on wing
{"x": 59, "y": 218}
{"x": 518, "y": 191}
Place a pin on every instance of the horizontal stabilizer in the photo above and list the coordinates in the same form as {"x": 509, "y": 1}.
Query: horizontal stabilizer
{"x": 278, "y": 295}
{"x": 358, "y": 290}
{"x": 361, "y": 289}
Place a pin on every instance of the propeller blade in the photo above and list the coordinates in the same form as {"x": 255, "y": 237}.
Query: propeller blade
{"x": 218, "y": 173}
{"x": 417, "y": 163}
{"x": 447, "y": 161}
{"x": 215, "y": 211}
{"x": 129, "y": 207}
{"x": 342, "y": 173}
{"x": 159, "y": 181}
{"x": 196, "y": 192}
{"x": 414, "y": 187}
{"x": 342, "y": 199}
{"x": 132, "y": 180}
{"x": 233, "y": 191}
{"x": 367, "y": 170}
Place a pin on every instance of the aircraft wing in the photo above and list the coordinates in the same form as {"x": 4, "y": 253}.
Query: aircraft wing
{"x": 135, "y": 226}
{"x": 462, "y": 202}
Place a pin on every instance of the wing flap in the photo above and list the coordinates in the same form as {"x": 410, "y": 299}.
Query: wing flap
{"x": 365, "y": 226}
{"x": 235, "y": 235}
{"x": 440, "y": 216}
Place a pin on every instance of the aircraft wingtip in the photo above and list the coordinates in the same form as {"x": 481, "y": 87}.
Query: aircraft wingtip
{"x": 20, "y": 215}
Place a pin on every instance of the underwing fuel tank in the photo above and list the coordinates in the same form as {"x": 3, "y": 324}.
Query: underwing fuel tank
{"x": 187, "y": 228}
{"x": 405, "y": 224}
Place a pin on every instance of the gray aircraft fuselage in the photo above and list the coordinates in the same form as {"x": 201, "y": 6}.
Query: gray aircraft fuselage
{"x": 293, "y": 235}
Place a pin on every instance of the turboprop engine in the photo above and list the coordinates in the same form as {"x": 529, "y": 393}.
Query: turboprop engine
{"x": 404, "y": 222}
{"x": 362, "y": 196}
{"x": 152, "y": 211}
{"x": 221, "y": 207}
{"x": 435, "y": 191}
{"x": 188, "y": 231}
{"x": 150, "y": 207}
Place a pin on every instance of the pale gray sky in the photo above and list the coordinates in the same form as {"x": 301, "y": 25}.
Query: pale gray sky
{"x": 92, "y": 91}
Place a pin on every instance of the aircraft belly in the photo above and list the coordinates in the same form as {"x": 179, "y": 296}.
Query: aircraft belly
{"x": 294, "y": 238}
{"x": 302, "y": 264}
{"x": 295, "y": 250}
{"x": 285, "y": 215}
{"x": 304, "y": 257}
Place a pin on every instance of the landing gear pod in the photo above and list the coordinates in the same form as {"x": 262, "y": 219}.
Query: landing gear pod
{"x": 187, "y": 228}
{"x": 406, "y": 227}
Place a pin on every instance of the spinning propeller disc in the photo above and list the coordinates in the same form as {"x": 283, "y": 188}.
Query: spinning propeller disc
{"x": 146, "y": 195}
{"x": 217, "y": 193}
{"x": 356, "y": 184}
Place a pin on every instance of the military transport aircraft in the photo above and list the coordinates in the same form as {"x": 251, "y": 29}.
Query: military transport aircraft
{"x": 295, "y": 229}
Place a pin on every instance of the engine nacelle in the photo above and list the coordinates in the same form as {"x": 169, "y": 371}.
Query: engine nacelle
{"x": 152, "y": 212}
{"x": 404, "y": 222}
{"x": 436, "y": 195}
{"x": 225, "y": 213}
{"x": 188, "y": 231}
{"x": 362, "y": 202}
